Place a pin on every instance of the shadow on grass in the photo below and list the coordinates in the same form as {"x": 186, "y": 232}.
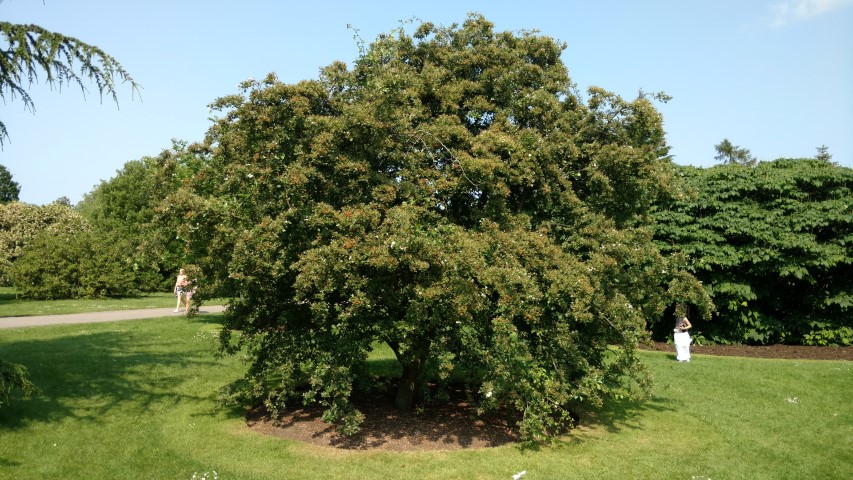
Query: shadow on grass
{"x": 86, "y": 376}
{"x": 615, "y": 416}
{"x": 205, "y": 317}
{"x": 9, "y": 463}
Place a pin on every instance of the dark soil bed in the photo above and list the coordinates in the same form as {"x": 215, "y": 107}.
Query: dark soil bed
{"x": 453, "y": 425}
{"x": 796, "y": 352}
{"x": 443, "y": 426}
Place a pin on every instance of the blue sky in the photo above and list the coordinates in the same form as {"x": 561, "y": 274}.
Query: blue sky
{"x": 773, "y": 76}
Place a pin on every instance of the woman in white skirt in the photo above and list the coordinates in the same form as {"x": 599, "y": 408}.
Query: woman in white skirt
{"x": 682, "y": 339}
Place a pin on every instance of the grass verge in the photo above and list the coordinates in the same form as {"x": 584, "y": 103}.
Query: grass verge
{"x": 136, "y": 399}
{"x": 11, "y": 306}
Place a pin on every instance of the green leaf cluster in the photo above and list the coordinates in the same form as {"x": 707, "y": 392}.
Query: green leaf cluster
{"x": 20, "y": 223}
{"x": 14, "y": 378}
{"x": 131, "y": 208}
{"x": 772, "y": 244}
{"x": 81, "y": 265}
{"x": 450, "y": 196}
{"x": 52, "y": 252}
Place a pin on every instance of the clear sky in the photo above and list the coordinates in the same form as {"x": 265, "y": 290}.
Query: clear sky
{"x": 773, "y": 76}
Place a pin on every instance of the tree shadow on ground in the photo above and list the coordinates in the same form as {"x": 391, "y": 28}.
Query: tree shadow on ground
{"x": 106, "y": 369}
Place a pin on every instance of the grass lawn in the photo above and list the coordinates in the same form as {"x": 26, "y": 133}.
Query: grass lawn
{"x": 136, "y": 400}
{"x": 10, "y": 306}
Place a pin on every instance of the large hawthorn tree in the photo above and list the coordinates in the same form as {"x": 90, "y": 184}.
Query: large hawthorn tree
{"x": 452, "y": 197}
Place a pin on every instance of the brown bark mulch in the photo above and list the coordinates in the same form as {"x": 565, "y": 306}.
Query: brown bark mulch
{"x": 454, "y": 426}
{"x": 445, "y": 426}
{"x": 791, "y": 352}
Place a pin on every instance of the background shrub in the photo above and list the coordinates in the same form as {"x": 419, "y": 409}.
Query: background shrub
{"x": 771, "y": 244}
{"x": 77, "y": 266}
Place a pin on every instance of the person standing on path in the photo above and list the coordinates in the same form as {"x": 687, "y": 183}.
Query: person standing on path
{"x": 682, "y": 338}
{"x": 182, "y": 290}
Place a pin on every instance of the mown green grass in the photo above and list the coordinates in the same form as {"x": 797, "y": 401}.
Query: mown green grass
{"x": 11, "y": 306}
{"x": 137, "y": 400}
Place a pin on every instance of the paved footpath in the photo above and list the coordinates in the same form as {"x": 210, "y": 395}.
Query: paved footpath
{"x": 94, "y": 317}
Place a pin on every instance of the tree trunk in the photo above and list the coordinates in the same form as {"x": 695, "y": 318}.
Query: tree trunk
{"x": 409, "y": 390}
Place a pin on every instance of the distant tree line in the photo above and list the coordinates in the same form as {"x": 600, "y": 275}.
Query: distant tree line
{"x": 118, "y": 241}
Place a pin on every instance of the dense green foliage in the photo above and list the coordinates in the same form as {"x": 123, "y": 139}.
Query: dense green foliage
{"x": 14, "y": 378}
{"x": 78, "y": 265}
{"x": 452, "y": 197}
{"x": 9, "y": 189}
{"x": 130, "y": 207}
{"x": 52, "y": 252}
{"x": 773, "y": 246}
{"x": 20, "y": 223}
{"x": 120, "y": 240}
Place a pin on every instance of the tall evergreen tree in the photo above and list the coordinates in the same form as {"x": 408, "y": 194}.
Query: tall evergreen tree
{"x": 728, "y": 154}
{"x": 9, "y": 189}
{"x": 823, "y": 153}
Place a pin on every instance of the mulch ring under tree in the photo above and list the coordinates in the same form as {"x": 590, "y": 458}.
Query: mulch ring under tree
{"x": 454, "y": 425}
{"x": 791, "y": 352}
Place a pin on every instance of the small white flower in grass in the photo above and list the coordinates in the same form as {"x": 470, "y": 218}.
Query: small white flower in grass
{"x": 793, "y": 400}
{"x": 489, "y": 394}
{"x": 519, "y": 475}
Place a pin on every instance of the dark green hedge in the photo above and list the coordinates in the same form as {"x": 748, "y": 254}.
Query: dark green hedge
{"x": 772, "y": 244}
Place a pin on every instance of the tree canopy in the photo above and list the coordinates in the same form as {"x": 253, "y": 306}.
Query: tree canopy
{"x": 452, "y": 197}
{"x": 130, "y": 208}
{"x": 20, "y": 223}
